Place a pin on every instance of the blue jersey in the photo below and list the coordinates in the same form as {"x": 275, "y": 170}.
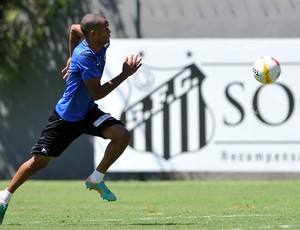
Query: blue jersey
{"x": 86, "y": 64}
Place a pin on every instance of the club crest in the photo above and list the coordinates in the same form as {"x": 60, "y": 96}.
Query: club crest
{"x": 168, "y": 116}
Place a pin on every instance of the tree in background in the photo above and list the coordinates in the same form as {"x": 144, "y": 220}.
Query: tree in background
{"x": 22, "y": 24}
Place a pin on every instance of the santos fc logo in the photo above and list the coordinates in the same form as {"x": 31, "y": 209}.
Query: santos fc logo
{"x": 169, "y": 117}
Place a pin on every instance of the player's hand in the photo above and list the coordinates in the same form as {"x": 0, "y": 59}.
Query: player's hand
{"x": 131, "y": 64}
{"x": 65, "y": 70}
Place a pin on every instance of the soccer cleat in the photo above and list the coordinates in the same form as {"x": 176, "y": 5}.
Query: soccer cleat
{"x": 104, "y": 192}
{"x": 3, "y": 208}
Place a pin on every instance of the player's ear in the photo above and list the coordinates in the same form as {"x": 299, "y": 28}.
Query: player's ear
{"x": 92, "y": 33}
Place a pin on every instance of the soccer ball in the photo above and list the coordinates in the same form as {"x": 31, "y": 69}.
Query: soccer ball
{"x": 266, "y": 69}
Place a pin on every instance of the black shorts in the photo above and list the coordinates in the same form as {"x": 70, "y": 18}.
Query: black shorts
{"x": 59, "y": 134}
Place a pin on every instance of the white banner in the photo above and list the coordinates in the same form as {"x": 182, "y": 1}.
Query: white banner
{"x": 195, "y": 106}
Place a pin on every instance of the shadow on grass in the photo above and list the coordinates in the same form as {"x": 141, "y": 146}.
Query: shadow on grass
{"x": 161, "y": 224}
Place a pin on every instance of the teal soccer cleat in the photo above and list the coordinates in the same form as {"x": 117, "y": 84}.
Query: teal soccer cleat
{"x": 3, "y": 208}
{"x": 104, "y": 192}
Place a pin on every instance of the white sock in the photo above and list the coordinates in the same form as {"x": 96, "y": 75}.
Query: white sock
{"x": 97, "y": 176}
{"x": 5, "y": 196}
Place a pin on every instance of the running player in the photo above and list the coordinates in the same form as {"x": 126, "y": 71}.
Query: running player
{"x": 76, "y": 112}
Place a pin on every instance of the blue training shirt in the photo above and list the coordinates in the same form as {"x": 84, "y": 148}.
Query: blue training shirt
{"x": 86, "y": 64}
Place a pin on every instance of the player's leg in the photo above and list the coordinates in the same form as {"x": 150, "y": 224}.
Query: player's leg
{"x": 26, "y": 170}
{"x": 120, "y": 138}
{"x": 107, "y": 127}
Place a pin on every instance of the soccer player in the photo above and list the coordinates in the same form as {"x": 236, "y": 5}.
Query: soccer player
{"x": 76, "y": 112}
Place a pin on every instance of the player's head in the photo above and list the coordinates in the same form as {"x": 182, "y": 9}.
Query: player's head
{"x": 92, "y": 22}
{"x": 95, "y": 28}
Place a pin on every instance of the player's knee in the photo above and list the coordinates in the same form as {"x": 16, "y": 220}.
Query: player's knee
{"x": 125, "y": 137}
{"x": 39, "y": 162}
{"x": 118, "y": 134}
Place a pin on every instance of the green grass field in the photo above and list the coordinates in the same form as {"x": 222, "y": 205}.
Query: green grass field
{"x": 234, "y": 205}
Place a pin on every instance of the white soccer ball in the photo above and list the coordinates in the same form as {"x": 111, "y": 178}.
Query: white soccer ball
{"x": 266, "y": 69}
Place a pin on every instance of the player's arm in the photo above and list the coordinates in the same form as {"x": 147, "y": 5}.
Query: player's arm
{"x": 74, "y": 39}
{"x": 98, "y": 91}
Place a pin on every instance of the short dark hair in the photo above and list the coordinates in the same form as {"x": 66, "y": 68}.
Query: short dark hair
{"x": 89, "y": 22}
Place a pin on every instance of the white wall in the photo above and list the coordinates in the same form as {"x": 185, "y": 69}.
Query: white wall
{"x": 219, "y": 129}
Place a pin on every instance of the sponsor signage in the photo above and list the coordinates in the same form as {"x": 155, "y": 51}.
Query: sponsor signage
{"x": 195, "y": 106}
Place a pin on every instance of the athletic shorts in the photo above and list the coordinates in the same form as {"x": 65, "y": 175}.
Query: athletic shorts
{"x": 59, "y": 134}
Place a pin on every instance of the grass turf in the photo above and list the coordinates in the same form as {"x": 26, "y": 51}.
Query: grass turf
{"x": 156, "y": 205}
